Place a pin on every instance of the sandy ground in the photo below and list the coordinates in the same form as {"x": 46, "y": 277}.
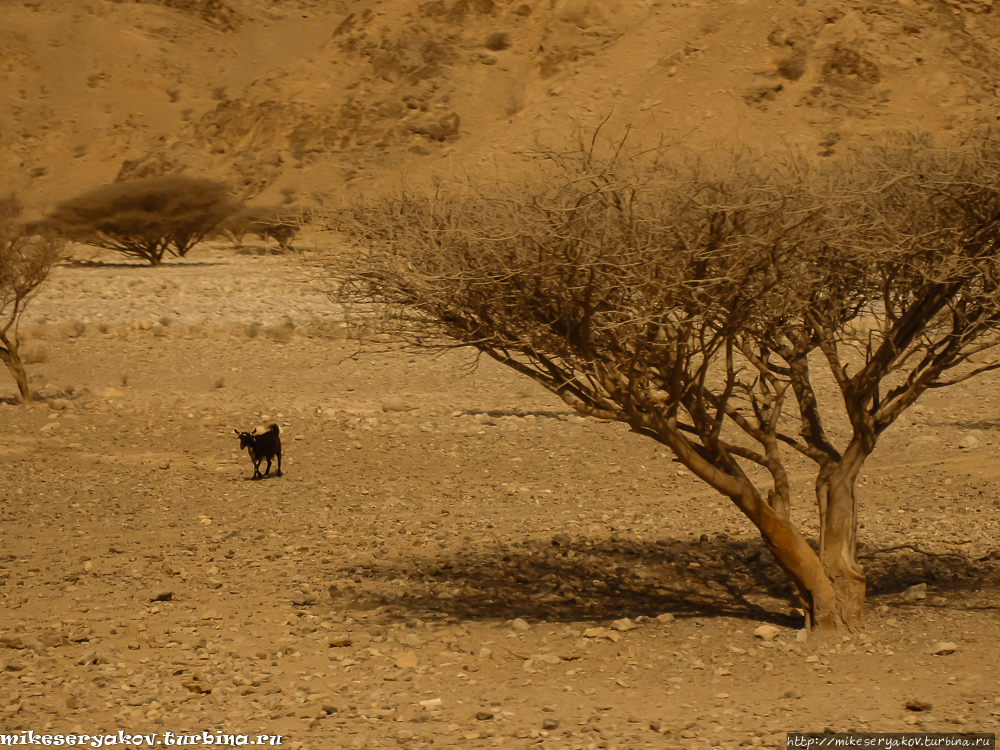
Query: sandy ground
{"x": 451, "y": 558}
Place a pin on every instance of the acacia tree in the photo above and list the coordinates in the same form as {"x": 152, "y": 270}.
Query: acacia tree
{"x": 25, "y": 262}
{"x": 145, "y": 218}
{"x": 697, "y": 301}
{"x": 264, "y": 221}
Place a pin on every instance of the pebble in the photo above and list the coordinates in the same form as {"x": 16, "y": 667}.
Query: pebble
{"x": 304, "y": 598}
{"x": 394, "y": 403}
{"x": 549, "y": 724}
{"x": 161, "y": 595}
{"x": 969, "y": 442}
{"x": 520, "y": 626}
{"x": 624, "y": 625}
{"x": 407, "y": 661}
{"x": 767, "y": 632}
{"x": 914, "y": 593}
{"x": 338, "y": 641}
{"x": 943, "y": 648}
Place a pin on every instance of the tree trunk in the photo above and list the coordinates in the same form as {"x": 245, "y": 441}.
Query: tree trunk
{"x": 832, "y": 593}
{"x": 10, "y": 357}
{"x": 838, "y": 539}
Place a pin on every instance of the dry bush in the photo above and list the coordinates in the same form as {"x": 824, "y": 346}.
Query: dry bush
{"x": 145, "y": 218}
{"x": 690, "y": 297}
{"x": 25, "y": 263}
{"x": 265, "y": 222}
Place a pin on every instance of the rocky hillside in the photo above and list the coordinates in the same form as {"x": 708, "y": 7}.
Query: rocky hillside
{"x": 302, "y": 100}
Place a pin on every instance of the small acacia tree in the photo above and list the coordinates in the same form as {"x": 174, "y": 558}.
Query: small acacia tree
{"x": 264, "y": 221}
{"x": 697, "y": 299}
{"x": 145, "y": 218}
{"x": 25, "y": 262}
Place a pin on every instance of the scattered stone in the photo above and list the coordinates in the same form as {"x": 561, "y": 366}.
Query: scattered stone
{"x": 914, "y": 593}
{"x": 520, "y": 626}
{"x": 431, "y": 703}
{"x": 394, "y": 403}
{"x": 624, "y": 625}
{"x": 338, "y": 641}
{"x": 969, "y": 442}
{"x": 943, "y": 648}
{"x": 917, "y": 705}
{"x": 164, "y": 464}
{"x": 549, "y": 724}
{"x": 666, "y": 619}
{"x": 304, "y": 598}
{"x": 407, "y": 661}
{"x": 58, "y": 404}
{"x": 411, "y": 640}
{"x": 161, "y": 595}
{"x": 561, "y": 540}
{"x": 767, "y": 632}
{"x": 484, "y": 715}
{"x": 112, "y": 393}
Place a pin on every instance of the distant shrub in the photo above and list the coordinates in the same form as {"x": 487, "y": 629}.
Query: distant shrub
{"x": 25, "y": 262}
{"x": 146, "y": 218}
{"x": 264, "y": 221}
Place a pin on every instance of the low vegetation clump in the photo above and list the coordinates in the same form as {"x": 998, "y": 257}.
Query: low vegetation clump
{"x": 264, "y": 221}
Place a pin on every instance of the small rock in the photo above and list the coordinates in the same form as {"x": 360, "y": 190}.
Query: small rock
{"x": 161, "y": 595}
{"x": 624, "y": 625}
{"x": 943, "y": 648}
{"x": 407, "y": 661}
{"x": 767, "y": 632}
{"x": 520, "y": 626}
{"x": 484, "y": 715}
{"x": 914, "y": 593}
{"x": 431, "y": 703}
{"x": 164, "y": 464}
{"x": 58, "y": 404}
{"x": 112, "y": 393}
{"x": 969, "y": 442}
{"x": 666, "y": 619}
{"x": 917, "y": 705}
{"x": 561, "y": 540}
{"x": 411, "y": 640}
{"x": 549, "y": 724}
{"x": 337, "y": 641}
{"x": 304, "y": 598}
{"x": 394, "y": 403}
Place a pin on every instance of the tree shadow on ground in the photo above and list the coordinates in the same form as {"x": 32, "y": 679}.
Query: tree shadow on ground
{"x": 599, "y": 580}
{"x": 136, "y": 264}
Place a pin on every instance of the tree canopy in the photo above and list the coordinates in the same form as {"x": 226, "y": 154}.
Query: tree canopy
{"x": 697, "y": 297}
{"x": 146, "y": 218}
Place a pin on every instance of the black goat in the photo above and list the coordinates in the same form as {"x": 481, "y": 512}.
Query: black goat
{"x": 262, "y": 444}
